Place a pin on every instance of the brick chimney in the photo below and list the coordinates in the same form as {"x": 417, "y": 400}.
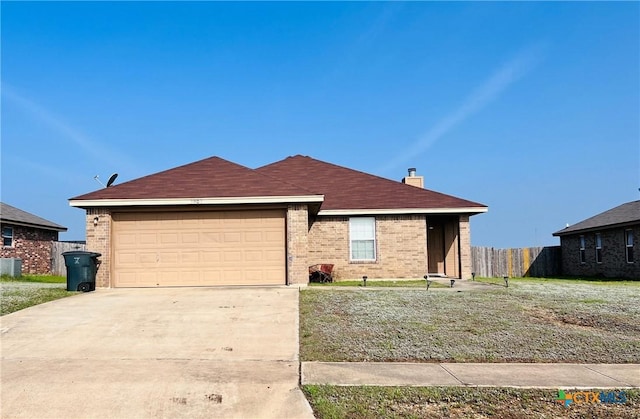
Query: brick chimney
{"x": 413, "y": 180}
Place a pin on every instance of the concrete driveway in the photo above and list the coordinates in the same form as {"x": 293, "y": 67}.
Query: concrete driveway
{"x": 166, "y": 352}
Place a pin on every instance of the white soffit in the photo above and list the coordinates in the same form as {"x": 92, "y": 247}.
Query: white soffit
{"x": 396, "y": 211}
{"x": 194, "y": 201}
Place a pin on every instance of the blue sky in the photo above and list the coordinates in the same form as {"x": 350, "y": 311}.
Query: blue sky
{"x": 530, "y": 108}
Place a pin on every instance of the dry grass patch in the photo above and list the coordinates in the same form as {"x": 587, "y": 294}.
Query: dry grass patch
{"x": 527, "y": 322}
{"x": 329, "y": 402}
{"x": 16, "y": 295}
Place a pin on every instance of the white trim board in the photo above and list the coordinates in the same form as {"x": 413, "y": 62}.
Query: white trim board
{"x": 81, "y": 203}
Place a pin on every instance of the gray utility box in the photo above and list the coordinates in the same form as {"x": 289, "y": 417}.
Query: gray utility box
{"x": 11, "y": 267}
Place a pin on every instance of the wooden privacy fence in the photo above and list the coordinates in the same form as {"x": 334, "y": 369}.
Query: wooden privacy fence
{"x": 57, "y": 260}
{"x": 529, "y": 261}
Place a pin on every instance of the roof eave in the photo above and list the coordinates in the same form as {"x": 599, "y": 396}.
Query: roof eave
{"x": 93, "y": 203}
{"x": 596, "y": 228}
{"x": 397, "y": 211}
{"x": 32, "y": 225}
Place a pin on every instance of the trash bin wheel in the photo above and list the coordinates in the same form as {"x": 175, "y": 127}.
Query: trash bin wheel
{"x": 84, "y": 287}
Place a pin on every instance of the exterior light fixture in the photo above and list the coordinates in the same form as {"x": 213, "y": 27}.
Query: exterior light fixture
{"x": 426, "y": 278}
{"x": 364, "y": 280}
{"x": 95, "y": 221}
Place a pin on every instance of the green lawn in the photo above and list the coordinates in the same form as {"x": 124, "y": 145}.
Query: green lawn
{"x": 337, "y": 402}
{"x": 531, "y": 321}
{"x": 44, "y": 279}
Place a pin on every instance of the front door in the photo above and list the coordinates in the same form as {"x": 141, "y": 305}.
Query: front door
{"x": 435, "y": 249}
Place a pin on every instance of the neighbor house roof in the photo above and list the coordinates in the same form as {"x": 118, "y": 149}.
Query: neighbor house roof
{"x": 350, "y": 191}
{"x": 337, "y": 189}
{"x": 13, "y": 215}
{"x": 209, "y": 181}
{"x": 624, "y": 214}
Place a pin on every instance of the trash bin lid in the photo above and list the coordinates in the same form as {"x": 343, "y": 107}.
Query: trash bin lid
{"x": 81, "y": 253}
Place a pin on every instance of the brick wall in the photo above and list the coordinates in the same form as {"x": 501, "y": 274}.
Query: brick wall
{"x": 401, "y": 247}
{"x": 614, "y": 263}
{"x": 297, "y": 244}
{"x": 99, "y": 240}
{"x": 33, "y": 246}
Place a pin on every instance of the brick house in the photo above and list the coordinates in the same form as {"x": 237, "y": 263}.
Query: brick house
{"x": 214, "y": 222}
{"x": 29, "y": 238}
{"x": 604, "y": 245}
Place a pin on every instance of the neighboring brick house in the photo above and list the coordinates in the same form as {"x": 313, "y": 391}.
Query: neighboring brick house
{"x": 604, "y": 245}
{"x": 214, "y": 222}
{"x": 29, "y": 238}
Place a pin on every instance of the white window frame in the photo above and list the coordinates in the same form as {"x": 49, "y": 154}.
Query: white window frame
{"x": 358, "y": 233}
{"x": 583, "y": 250}
{"x": 8, "y": 236}
{"x": 598, "y": 246}
{"x": 628, "y": 244}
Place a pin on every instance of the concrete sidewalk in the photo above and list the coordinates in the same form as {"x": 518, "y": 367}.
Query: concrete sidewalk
{"x": 472, "y": 374}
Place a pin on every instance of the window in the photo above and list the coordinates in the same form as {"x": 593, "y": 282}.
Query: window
{"x": 598, "y": 248}
{"x": 583, "y": 257}
{"x": 628, "y": 240}
{"x": 362, "y": 237}
{"x": 7, "y": 236}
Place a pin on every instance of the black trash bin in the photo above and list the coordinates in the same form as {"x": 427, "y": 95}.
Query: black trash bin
{"x": 81, "y": 270}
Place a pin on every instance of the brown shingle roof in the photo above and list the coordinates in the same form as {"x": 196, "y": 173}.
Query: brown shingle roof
{"x": 212, "y": 177}
{"x": 628, "y": 213}
{"x": 343, "y": 188}
{"x": 10, "y": 214}
{"x": 348, "y": 189}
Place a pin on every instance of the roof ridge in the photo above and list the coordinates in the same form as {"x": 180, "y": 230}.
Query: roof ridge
{"x": 286, "y": 182}
{"x": 206, "y": 178}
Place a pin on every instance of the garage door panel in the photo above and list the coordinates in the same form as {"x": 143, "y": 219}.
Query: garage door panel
{"x": 253, "y": 256}
{"x": 232, "y": 256}
{"x": 271, "y": 237}
{"x": 199, "y": 248}
{"x": 126, "y": 258}
{"x": 273, "y": 256}
{"x": 126, "y": 239}
{"x": 232, "y": 223}
{"x": 147, "y": 238}
{"x": 147, "y": 258}
{"x": 145, "y": 277}
{"x": 168, "y": 238}
{"x": 210, "y": 238}
{"x": 189, "y": 257}
{"x": 271, "y": 275}
{"x": 234, "y": 237}
{"x": 211, "y": 257}
{"x": 168, "y": 258}
{"x": 253, "y": 236}
{"x": 188, "y": 238}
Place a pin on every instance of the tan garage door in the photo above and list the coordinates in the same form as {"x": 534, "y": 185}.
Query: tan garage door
{"x": 198, "y": 248}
